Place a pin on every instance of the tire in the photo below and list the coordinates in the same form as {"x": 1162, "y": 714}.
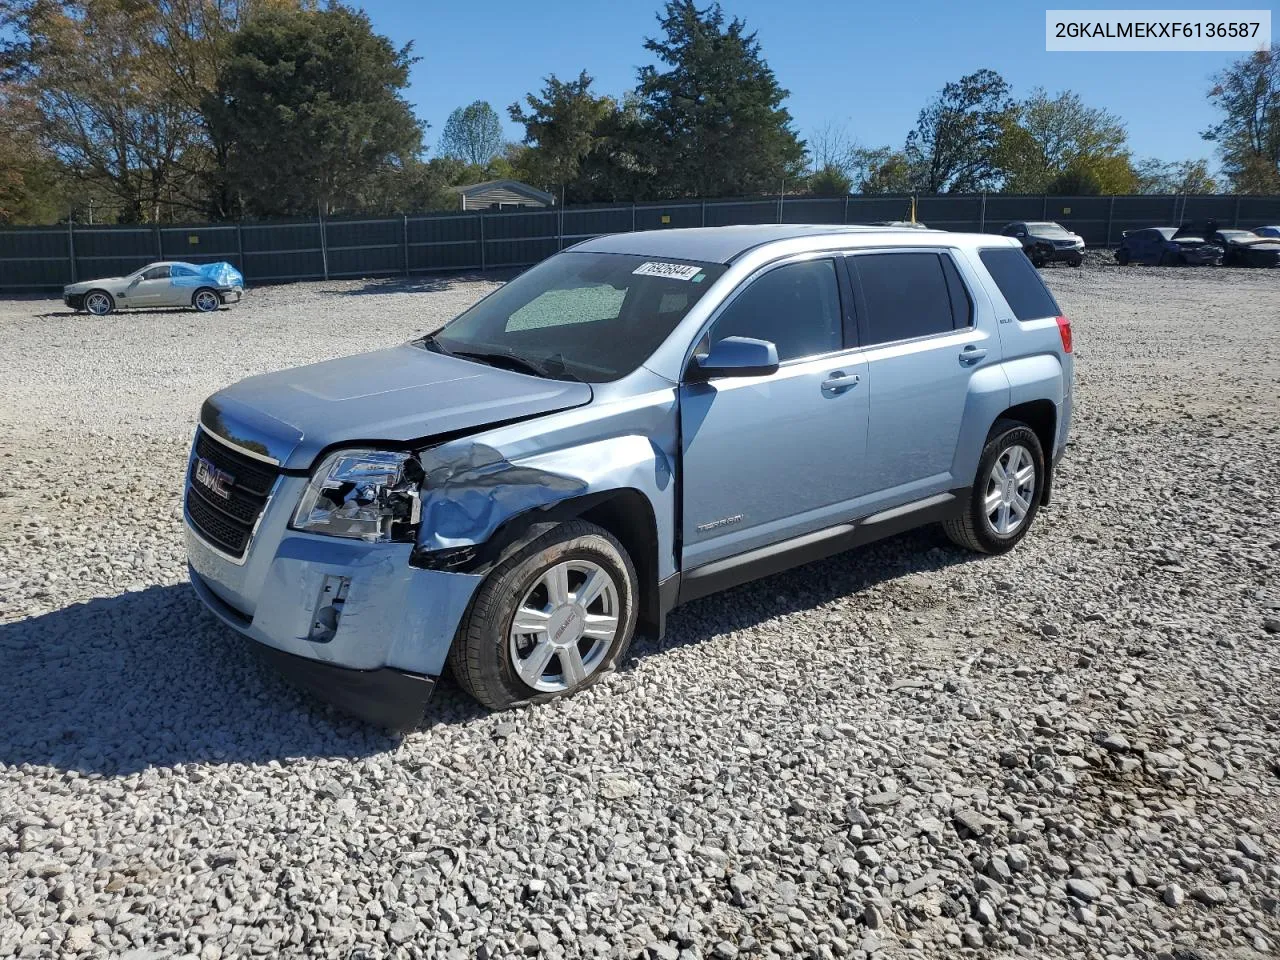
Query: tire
{"x": 1076, "y": 263}
{"x": 99, "y": 303}
{"x": 1122, "y": 257}
{"x": 206, "y": 300}
{"x": 1168, "y": 259}
{"x": 974, "y": 528}
{"x": 502, "y": 669}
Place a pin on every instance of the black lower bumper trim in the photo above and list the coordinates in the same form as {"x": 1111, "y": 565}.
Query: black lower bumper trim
{"x": 384, "y": 697}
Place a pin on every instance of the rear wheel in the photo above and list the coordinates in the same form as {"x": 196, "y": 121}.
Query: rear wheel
{"x": 548, "y": 621}
{"x": 1006, "y": 494}
{"x": 99, "y": 302}
{"x": 1122, "y": 257}
{"x": 206, "y": 300}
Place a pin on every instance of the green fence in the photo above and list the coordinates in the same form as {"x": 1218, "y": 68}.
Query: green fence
{"x": 34, "y": 258}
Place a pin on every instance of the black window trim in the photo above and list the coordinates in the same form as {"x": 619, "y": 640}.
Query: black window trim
{"x": 843, "y": 291}
{"x": 860, "y": 304}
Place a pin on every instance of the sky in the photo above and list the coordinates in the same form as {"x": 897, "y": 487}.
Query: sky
{"x": 867, "y": 67}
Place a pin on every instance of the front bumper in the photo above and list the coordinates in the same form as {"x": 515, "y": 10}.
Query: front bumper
{"x": 1065, "y": 254}
{"x": 74, "y": 300}
{"x": 385, "y": 697}
{"x": 379, "y": 646}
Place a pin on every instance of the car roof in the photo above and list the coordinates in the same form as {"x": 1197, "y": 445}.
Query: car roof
{"x": 725, "y": 244}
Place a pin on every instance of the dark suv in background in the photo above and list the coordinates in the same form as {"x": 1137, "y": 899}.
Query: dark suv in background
{"x": 1045, "y": 242}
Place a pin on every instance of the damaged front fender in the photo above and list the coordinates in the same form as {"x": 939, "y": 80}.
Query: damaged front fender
{"x": 476, "y": 502}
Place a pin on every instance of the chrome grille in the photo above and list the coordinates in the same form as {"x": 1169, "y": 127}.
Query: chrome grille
{"x": 227, "y": 523}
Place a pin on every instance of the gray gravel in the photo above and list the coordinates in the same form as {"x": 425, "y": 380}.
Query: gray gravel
{"x": 1070, "y": 751}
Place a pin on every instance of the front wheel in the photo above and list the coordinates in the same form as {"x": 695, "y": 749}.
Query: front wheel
{"x": 99, "y": 302}
{"x": 548, "y": 621}
{"x": 206, "y": 300}
{"x": 1006, "y": 493}
{"x": 1122, "y": 257}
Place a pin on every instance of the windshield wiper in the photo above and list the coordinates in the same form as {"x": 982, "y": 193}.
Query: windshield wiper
{"x": 508, "y": 360}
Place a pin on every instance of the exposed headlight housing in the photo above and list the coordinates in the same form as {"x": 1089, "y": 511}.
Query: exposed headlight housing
{"x": 370, "y": 495}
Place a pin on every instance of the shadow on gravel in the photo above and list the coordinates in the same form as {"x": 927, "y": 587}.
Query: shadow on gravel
{"x": 432, "y": 283}
{"x": 807, "y": 587}
{"x": 149, "y": 679}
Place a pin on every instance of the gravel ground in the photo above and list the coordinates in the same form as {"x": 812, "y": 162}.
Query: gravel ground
{"x": 1070, "y": 751}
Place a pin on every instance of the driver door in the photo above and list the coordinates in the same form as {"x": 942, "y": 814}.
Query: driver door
{"x": 152, "y": 289}
{"x": 766, "y": 458}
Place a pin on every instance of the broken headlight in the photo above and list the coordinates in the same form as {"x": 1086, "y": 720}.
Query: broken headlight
{"x": 364, "y": 495}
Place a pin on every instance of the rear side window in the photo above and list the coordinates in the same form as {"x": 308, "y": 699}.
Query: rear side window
{"x": 1018, "y": 280}
{"x": 908, "y": 295}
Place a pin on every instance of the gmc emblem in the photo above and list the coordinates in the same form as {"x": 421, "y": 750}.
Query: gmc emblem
{"x": 212, "y": 479}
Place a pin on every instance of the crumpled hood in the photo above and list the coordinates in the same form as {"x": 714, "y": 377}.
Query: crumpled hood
{"x": 397, "y": 395}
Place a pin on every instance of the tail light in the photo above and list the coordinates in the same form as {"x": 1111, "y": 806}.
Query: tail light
{"x": 1064, "y": 331}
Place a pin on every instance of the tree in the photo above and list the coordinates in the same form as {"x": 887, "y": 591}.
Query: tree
{"x": 715, "y": 118}
{"x": 561, "y": 126}
{"x": 472, "y": 133}
{"x": 29, "y": 175}
{"x": 1248, "y": 136}
{"x": 311, "y": 105}
{"x": 884, "y": 170}
{"x": 1186, "y": 176}
{"x": 1045, "y": 137}
{"x": 954, "y": 146}
{"x": 107, "y": 114}
{"x": 830, "y": 181}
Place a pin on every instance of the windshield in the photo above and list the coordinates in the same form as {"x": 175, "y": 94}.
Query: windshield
{"x": 1048, "y": 229}
{"x": 584, "y": 316}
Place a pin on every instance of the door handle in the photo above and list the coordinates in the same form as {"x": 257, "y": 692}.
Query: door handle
{"x": 841, "y": 381}
{"x": 972, "y": 354}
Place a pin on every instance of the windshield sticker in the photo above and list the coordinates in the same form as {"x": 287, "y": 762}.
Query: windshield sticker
{"x": 672, "y": 271}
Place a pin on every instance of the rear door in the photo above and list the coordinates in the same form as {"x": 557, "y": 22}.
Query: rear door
{"x": 766, "y": 458}
{"x": 917, "y": 323}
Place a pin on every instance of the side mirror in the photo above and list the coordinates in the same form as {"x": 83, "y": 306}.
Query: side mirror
{"x": 1021, "y": 233}
{"x": 737, "y": 357}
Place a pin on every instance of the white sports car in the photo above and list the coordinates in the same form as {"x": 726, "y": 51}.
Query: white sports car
{"x": 171, "y": 283}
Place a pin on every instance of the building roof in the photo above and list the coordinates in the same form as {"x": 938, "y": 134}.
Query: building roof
{"x": 515, "y": 186}
{"x": 724, "y": 244}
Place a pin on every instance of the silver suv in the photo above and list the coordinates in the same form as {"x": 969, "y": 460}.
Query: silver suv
{"x": 636, "y": 422}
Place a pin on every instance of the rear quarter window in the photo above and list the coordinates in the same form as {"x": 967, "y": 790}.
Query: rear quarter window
{"x": 1020, "y": 283}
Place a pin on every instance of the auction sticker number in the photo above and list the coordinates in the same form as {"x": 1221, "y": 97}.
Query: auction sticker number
{"x": 672, "y": 271}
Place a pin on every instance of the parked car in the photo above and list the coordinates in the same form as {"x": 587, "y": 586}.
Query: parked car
{"x": 1047, "y": 242}
{"x": 636, "y": 422}
{"x": 1267, "y": 231}
{"x": 170, "y": 283}
{"x": 1244, "y": 248}
{"x": 1167, "y": 246}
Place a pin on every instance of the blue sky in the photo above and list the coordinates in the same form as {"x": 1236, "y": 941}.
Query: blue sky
{"x": 867, "y": 66}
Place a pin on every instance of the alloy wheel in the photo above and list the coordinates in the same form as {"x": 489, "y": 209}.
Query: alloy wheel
{"x": 98, "y": 304}
{"x": 1011, "y": 485}
{"x": 206, "y": 302}
{"x": 564, "y": 626}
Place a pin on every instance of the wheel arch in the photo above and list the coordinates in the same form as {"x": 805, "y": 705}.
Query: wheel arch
{"x": 625, "y": 512}
{"x": 1041, "y": 416}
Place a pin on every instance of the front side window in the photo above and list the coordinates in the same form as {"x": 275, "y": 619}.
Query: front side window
{"x": 796, "y": 307}
{"x": 156, "y": 273}
{"x": 585, "y": 316}
{"x": 907, "y": 295}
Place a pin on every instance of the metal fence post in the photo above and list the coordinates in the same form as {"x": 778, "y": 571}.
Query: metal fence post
{"x": 1044, "y": 207}
{"x": 324, "y": 245}
{"x": 846, "y": 209}
{"x": 1175, "y": 209}
{"x": 1111, "y": 213}
{"x": 240, "y": 248}
{"x": 405, "y": 235}
{"x": 159, "y": 244}
{"x": 704, "y": 213}
{"x": 982, "y": 214}
{"x": 480, "y": 221}
{"x": 560, "y": 226}
{"x": 633, "y": 217}
{"x": 1235, "y": 218}
{"x": 71, "y": 244}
